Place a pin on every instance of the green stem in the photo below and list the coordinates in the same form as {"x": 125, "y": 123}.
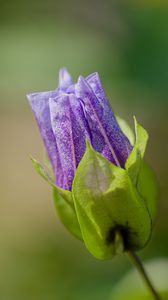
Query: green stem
{"x": 139, "y": 266}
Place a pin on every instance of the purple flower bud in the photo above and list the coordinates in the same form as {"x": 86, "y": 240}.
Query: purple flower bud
{"x": 71, "y": 114}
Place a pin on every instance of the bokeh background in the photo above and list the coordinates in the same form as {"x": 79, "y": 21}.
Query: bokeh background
{"x": 127, "y": 43}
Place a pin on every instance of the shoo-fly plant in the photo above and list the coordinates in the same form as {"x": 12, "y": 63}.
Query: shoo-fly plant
{"x": 105, "y": 193}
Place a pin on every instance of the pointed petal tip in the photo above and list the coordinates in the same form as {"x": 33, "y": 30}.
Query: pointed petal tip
{"x": 33, "y": 96}
{"x": 65, "y": 79}
{"x": 30, "y": 97}
{"x": 81, "y": 83}
{"x": 80, "y": 79}
{"x": 63, "y": 71}
{"x": 93, "y": 75}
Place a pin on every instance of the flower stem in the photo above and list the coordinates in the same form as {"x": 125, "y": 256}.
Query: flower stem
{"x": 135, "y": 260}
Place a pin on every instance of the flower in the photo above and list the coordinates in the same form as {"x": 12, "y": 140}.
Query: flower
{"x": 72, "y": 114}
{"x": 105, "y": 193}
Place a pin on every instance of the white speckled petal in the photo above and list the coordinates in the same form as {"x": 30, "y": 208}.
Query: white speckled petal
{"x": 40, "y": 105}
{"x": 70, "y": 131}
{"x": 95, "y": 83}
{"x": 107, "y": 137}
{"x": 65, "y": 79}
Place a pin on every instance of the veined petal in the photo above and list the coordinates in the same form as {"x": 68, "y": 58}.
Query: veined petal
{"x": 65, "y": 79}
{"x": 40, "y": 105}
{"x": 107, "y": 136}
{"x": 95, "y": 83}
{"x": 70, "y": 131}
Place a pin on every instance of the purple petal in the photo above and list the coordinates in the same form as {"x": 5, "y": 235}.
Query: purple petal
{"x": 107, "y": 136}
{"x": 70, "y": 130}
{"x": 65, "y": 79}
{"x": 95, "y": 83}
{"x": 40, "y": 105}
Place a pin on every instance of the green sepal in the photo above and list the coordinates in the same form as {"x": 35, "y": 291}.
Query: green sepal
{"x": 107, "y": 202}
{"x": 147, "y": 187}
{"x": 42, "y": 172}
{"x": 66, "y": 211}
{"x": 140, "y": 172}
{"x": 63, "y": 202}
{"x": 126, "y": 129}
{"x": 133, "y": 162}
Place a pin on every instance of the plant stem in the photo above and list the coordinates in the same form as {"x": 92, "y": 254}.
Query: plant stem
{"x": 139, "y": 266}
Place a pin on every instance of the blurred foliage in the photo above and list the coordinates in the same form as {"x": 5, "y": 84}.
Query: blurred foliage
{"x": 127, "y": 43}
{"x": 131, "y": 285}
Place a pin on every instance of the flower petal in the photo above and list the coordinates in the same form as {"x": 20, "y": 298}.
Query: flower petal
{"x": 40, "y": 105}
{"x": 70, "y": 131}
{"x": 65, "y": 79}
{"x": 95, "y": 83}
{"x": 107, "y": 136}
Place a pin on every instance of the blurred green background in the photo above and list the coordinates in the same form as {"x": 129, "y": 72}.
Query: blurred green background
{"x": 127, "y": 43}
